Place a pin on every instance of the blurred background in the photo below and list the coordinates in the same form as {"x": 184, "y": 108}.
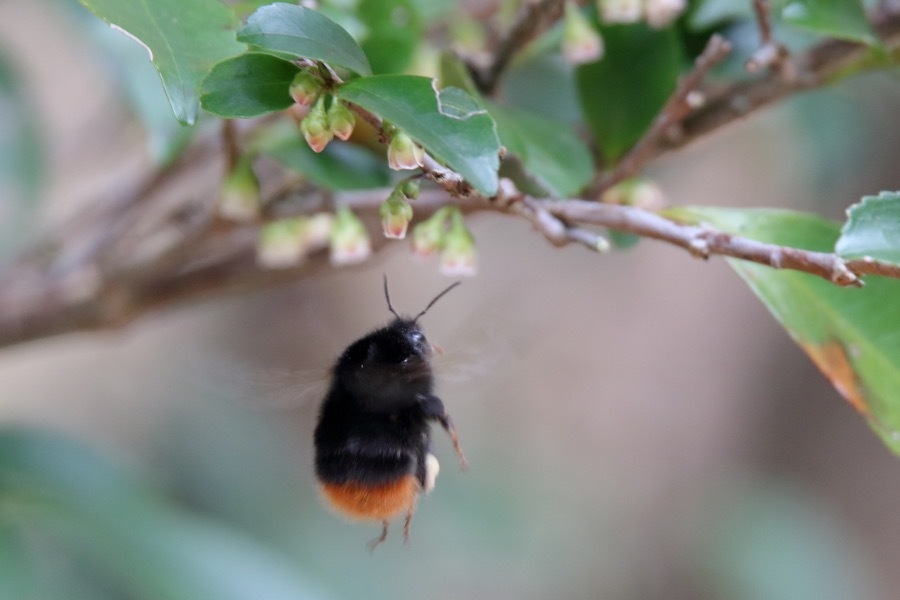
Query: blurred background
{"x": 637, "y": 424}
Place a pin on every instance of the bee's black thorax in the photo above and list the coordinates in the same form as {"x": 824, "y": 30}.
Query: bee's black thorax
{"x": 372, "y": 427}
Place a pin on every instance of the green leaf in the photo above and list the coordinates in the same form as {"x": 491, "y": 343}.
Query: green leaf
{"x": 850, "y": 333}
{"x": 17, "y": 580}
{"x": 248, "y": 85}
{"x": 451, "y": 125}
{"x": 152, "y": 548}
{"x": 138, "y": 81}
{"x": 623, "y": 92}
{"x": 873, "y": 229}
{"x": 844, "y": 19}
{"x": 394, "y": 30}
{"x": 339, "y": 167}
{"x": 21, "y": 159}
{"x": 549, "y": 151}
{"x": 184, "y": 39}
{"x": 292, "y": 31}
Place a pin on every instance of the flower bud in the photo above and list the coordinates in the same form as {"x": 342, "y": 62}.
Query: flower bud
{"x": 341, "y": 120}
{"x": 317, "y": 233}
{"x": 582, "y": 43}
{"x": 410, "y": 188}
{"x": 638, "y": 192}
{"x": 620, "y": 11}
{"x": 281, "y": 243}
{"x": 395, "y": 213}
{"x": 428, "y": 236}
{"x": 305, "y": 88}
{"x": 349, "y": 239}
{"x": 660, "y": 13}
{"x": 458, "y": 257}
{"x": 239, "y": 193}
{"x": 404, "y": 153}
{"x": 315, "y": 127}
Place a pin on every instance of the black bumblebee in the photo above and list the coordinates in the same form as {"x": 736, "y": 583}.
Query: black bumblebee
{"x": 373, "y": 438}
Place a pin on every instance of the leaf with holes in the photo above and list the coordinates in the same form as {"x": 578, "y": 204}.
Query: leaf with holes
{"x": 184, "y": 39}
{"x": 872, "y": 229}
{"x": 450, "y": 124}
{"x": 851, "y": 334}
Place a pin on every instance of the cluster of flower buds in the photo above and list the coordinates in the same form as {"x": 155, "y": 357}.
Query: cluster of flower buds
{"x": 396, "y": 212}
{"x": 446, "y": 232}
{"x": 321, "y": 124}
{"x": 239, "y": 193}
{"x": 582, "y": 43}
{"x": 404, "y": 153}
{"x": 657, "y": 13}
{"x": 349, "y": 239}
{"x": 287, "y": 242}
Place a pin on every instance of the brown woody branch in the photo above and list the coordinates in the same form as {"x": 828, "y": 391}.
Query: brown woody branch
{"x": 220, "y": 259}
{"x": 680, "y": 104}
{"x": 155, "y": 246}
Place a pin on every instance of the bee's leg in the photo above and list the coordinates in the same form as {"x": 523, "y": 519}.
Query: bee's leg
{"x": 406, "y": 523}
{"x": 374, "y": 543}
{"x": 434, "y": 408}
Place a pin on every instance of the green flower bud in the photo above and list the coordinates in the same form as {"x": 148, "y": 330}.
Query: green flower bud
{"x": 305, "y": 88}
{"x": 314, "y": 127}
{"x": 582, "y": 43}
{"x": 428, "y": 236}
{"x": 458, "y": 256}
{"x": 239, "y": 193}
{"x": 341, "y": 120}
{"x": 395, "y": 213}
{"x": 349, "y": 239}
{"x": 404, "y": 153}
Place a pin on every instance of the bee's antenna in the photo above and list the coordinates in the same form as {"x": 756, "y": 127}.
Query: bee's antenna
{"x": 436, "y": 298}
{"x": 387, "y": 296}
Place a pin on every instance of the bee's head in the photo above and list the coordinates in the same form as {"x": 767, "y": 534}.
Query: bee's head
{"x": 391, "y": 367}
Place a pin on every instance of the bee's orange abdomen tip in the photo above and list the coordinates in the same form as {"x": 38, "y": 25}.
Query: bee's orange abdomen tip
{"x": 372, "y": 503}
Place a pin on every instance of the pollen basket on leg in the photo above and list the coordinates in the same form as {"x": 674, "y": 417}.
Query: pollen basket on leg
{"x": 372, "y": 502}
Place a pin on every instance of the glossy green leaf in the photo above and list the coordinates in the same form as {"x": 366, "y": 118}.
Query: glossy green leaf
{"x": 184, "y": 39}
{"x": 450, "y": 124}
{"x": 873, "y": 229}
{"x": 622, "y": 93}
{"x": 550, "y": 152}
{"x": 293, "y": 31}
{"x": 850, "y": 333}
{"x": 845, "y": 19}
{"x": 340, "y": 166}
{"x": 394, "y": 30}
{"x": 155, "y": 549}
{"x": 248, "y": 85}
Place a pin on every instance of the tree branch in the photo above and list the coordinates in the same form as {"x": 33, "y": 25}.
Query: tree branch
{"x": 153, "y": 247}
{"x": 533, "y": 18}
{"x": 683, "y": 100}
{"x": 819, "y": 66}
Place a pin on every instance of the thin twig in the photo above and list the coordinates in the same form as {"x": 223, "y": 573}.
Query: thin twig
{"x": 679, "y": 105}
{"x": 770, "y": 53}
{"x": 534, "y": 17}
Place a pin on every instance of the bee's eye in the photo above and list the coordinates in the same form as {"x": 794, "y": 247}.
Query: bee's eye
{"x": 416, "y": 337}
